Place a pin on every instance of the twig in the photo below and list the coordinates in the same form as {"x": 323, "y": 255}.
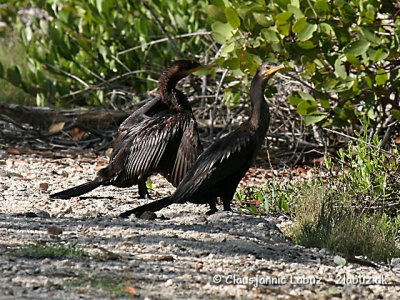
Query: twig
{"x": 366, "y": 143}
{"x": 68, "y": 75}
{"x": 156, "y": 19}
{"x": 10, "y": 120}
{"x": 102, "y": 83}
{"x": 165, "y": 40}
{"x": 213, "y": 112}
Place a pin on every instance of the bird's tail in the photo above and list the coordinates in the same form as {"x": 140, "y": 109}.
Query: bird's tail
{"x": 152, "y": 206}
{"x": 77, "y": 190}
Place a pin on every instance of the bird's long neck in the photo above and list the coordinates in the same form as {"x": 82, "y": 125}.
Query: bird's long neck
{"x": 259, "y": 118}
{"x": 168, "y": 92}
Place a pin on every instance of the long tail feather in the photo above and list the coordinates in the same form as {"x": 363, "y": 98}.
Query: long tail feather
{"x": 152, "y": 206}
{"x": 77, "y": 190}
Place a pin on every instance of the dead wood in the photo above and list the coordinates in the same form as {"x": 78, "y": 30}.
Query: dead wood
{"x": 43, "y": 117}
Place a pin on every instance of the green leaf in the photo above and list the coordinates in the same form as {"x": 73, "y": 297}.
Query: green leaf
{"x": 221, "y": 31}
{"x": 227, "y": 48}
{"x": 64, "y": 16}
{"x": 340, "y": 70}
{"x": 304, "y": 29}
{"x": 232, "y": 64}
{"x": 357, "y": 48}
{"x": 295, "y": 3}
{"x": 14, "y": 75}
{"x": 326, "y": 29}
{"x": 54, "y": 34}
{"x": 283, "y": 18}
{"x": 381, "y": 77}
{"x": 396, "y": 113}
{"x": 296, "y": 11}
{"x": 322, "y": 7}
{"x": 216, "y": 13}
{"x": 270, "y": 35}
{"x": 44, "y": 25}
{"x": 306, "y": 107}
{"x": 314, "y": 117}
{"x": 325, "y": 103}
{"x": 353, "y": 60}
{"x": 284, "y": 29}
{"x": 99, "y": 5}
{"x": 306, "y": 96}
{"x": 307, "y": 45}
{"x": 381, "y": 54}
{"x": 293, "y": 100}
{"x": 232, "y": 17}
{"x": 262, "y": 19}
{"x": 26, "y": 34}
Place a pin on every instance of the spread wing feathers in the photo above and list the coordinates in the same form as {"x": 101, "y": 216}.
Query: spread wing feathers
{"x": 225, "y": 157}
{"x": 151, "y": 107}
{"x": 143, "y": 146}
{"x": 189, "y": 149}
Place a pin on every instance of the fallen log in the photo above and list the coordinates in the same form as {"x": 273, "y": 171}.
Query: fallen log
{"x": 44, "y": 117}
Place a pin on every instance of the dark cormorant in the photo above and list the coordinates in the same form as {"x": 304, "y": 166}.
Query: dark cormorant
{"x": 219, "y": 169}
{"x": 160, "y": 137}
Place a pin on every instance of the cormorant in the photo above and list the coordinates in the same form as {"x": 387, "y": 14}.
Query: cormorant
{"x": 219, "y": 169}
{"x": 160, "y": 137}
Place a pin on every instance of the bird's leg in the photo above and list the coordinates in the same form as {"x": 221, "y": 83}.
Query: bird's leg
{"x": 227, "y": 199}
{"x": 227, "y": 204}
{"x": 143, "y": 192}
{"x": 213, "y": 207}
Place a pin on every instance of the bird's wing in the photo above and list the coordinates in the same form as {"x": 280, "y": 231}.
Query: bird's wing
{"x": 188, "y": 151}
{"x": 146, "y": 111}
{"x": 229, "y": 155}
{"x": 150, "y": 107}
{"x": 143, "y": 145}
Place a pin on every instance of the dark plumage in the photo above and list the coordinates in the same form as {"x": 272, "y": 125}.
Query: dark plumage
{"x": 160, "y": 137}
{"x": 219, "y": 169}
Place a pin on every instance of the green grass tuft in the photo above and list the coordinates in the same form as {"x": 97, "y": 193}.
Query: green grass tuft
{"x": 50, "y": 251}
{"x": 103, "y": 286}
{"x": 355, "y": 210}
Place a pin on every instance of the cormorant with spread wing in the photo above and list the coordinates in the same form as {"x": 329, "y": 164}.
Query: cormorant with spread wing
{"x": 219, "y": 169}
{"x": 160, "y": 137}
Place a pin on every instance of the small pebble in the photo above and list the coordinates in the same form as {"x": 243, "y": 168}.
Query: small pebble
{"x": 54, "y": 230}
{"x": 148, "y": 215}
{"x": 43, "y": 186}
{"x": 169, "y": 282}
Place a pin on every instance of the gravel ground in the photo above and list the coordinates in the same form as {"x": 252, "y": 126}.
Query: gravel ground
{"x": 181, "y": 255}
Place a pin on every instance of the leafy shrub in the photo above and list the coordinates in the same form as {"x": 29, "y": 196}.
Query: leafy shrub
{"x": 325, "y": 219}
{"x": 347, "y": 51}
{"x": 73, "y": 45}
{"x": 270, "y": 197}
{"x": 355, "y": 210}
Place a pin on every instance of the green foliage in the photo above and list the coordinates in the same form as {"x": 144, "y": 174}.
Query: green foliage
{"x": 348, "y": 51}
{"x": 12, "y": 53}
{"x": 325, "y": 219}
{"x": 72, "y": 44}
{"x": 271, "y": 197}
{"x": 51, "y": 251}
{"x": 103, "y": 286}
{"x": 368, "y": 176}
{"x": 354, "y": 211}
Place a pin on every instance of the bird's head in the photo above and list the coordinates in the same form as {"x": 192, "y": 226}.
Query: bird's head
{"x": 183, "y": 68}
{"x": 267, "y": 70}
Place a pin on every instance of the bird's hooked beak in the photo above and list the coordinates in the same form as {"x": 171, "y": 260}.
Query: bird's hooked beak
{"x": 273, "y": 70}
